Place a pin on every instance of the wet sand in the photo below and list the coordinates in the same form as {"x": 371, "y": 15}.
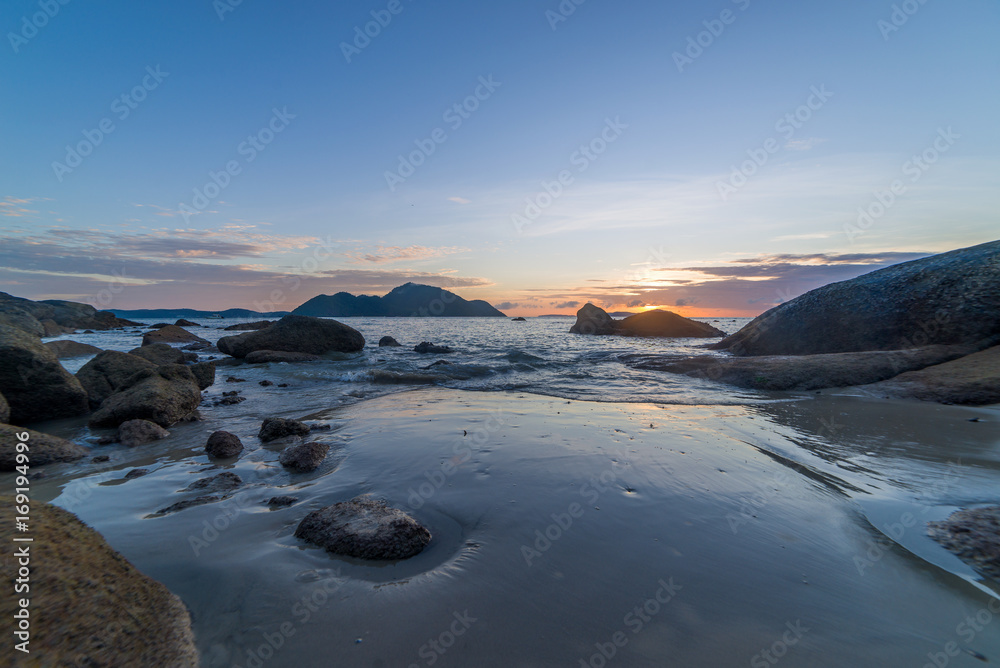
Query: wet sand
{"x": 577, "y": 533}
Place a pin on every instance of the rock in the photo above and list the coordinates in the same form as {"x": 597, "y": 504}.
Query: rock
{"x": 265, "y": 383}
{"x": 973, "y": 380}
{"x": 229, "y": 361}
{"x": 388, "y": 342}
{"x": 170, "y": 334}
{"x": 159, "y": 325}
{"x": 100, "y": 459}
{"x": 974, "y": 536}
{"x": 61, "y": 316}
{"x": 364, "y": 529}
{"x": 88, "y": 331}
{"x": 249, "y": 326}
{"x": 223, "y": 482}
{"x": 593, "y": 320}
{"x": 103, "y": 611}
{"x": 274, "y": 428}
{"x": 189, "y": 503}
{"x": 4, "y": 410}
{"x": 264, "y": 356}
{"x": 228, "y": 399}
{"x": 163, "y": 395}
{"x": 427, "y": 347}
{"x": 201, "y": 347}
{"x": 949, "y": 299}
{"x": 204, "y": 374}
{"x": 296, "y": 334}
{"x": 186, "y": 323}
{"x": 801, "y": 372}
{"x": 52, "y": 328}
{"x": 42, "y": 448}
{"x": 282, "y": 384}
{"x": 109, "y": 372}
{"x": 136, "y": 473}
{"x": 518, "y": 319}
{"x": 137, "y": 432}
{"x": 305, "y": 457}
{"x": 434, "y": 364}
{"x": 664, "y": 324}
{"x": 36, "y": 385}
{"x": 224, "y": 445}
{"x": 68, "y": 349}
{"x": 161, "y": 353}
{"x": 234, "y": 379}
{"x": 19, "y": 319}
{"x": 282, "y": 501}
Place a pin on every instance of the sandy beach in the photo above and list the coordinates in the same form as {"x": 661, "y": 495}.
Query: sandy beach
{"x": 575, "y": 533}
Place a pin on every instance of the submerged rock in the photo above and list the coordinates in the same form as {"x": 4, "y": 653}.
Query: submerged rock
{"x": 305, "y": 457}
{"x": 296, "y": 334}
{"x": 223, "y": 482}
{"x": 68, "y": 349}
{"x": 282, "y": 501}
{"x": 103, "y": 611}
{"x": 265, "y": 356}
{"x": 224, "y": 445}
{"x": 136, "y": 473}
{"x": 971, "y": 381}
{"x": 137, "y": 432}
{"x": 388, "y": 342}
{"x": 42, "y": 448}
{"x": 163, "y": 395}
{"x": 109, "y": 372}
{"x": 170, "y": 334}
{"x": 364, "y": 529}
{"x": 974, "y": 536}
{"x": 949, "y": 299}
{"x": 36, "y": 385}
{"x": 274, "y": 428}
{"x": 427, "y": 347}
{"x": 189, "y": 503}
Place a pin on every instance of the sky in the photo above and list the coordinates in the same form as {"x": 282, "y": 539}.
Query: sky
{"x": 710, "y": 158}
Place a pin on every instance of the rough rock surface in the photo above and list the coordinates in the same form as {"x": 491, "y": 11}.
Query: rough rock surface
{"x": 223, "y": 444}
{"x": 802, "y": 372}
{"x": 190, "y": 503}
{"x": 364, "y": 529}
{"x": 42, "y": 448}
{"x": 265, "y": 356}
{"x": 19, "y": 319}
{"x": 137, "y": 432}
{"x": 305, "y": 457}
{"x": 223, "y": 482}
{"x": 66, "y": 316}
{"x": 68, "y": 349}
{"x": 296, "y": 334}
{"x": 591, "y": 319}
{"x": 162, "y": 353}
{"x": 951, "y": 298}
{"x": 972, "y": 381}
{"x": 426, "y": 347}
{"x": 36, "y": 385}
{"x": 974, "y": 536}
{"x": 109, "y": 614}
{"x": 170, "y": 334}
{"x": 109, "y": 372}
{"x": 274, "y": 428}
{"x": 282, "y": 501}
{"x": 388, "y": 342}
{"x": 204, "y": 374}
{"x": 249, "y": 326}
{"x": 163, "y": 395}
{"x": 664, "y": 324}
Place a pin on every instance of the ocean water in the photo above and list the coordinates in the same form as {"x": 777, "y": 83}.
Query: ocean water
{"x": 539, "y": 356}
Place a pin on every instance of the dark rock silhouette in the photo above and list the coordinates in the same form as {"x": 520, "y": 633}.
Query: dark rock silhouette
{"x": 409, "y": 300}
{"x": 296, "y": 334}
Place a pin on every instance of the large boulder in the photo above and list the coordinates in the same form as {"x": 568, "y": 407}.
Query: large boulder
{"x": 163, "y": 395}
{"x": 109, "y": 372}
{"x": 592, "y": 319}
{"x": 68, "y": 349}
{"x": 972, "y": 381}
{"x": 42, "y": 448}
{"x": 62, "y": 315}
{"x": 204, "y": 373}
{"x": 265, "y": 356}
{"x": 36, "y": 385}
{"x": 101, "y": 611}
{"x": 951, "y": 298}
{"x": 305, "y": 457}
{"x": 223, "y": 445}
{"x": 162, "y": 353}
{"x": 388, "y": 342}
{"x": 974, "y": 536}
{"x": 20, "y": 319}
{"x": 249, "y": 326}
{"x": 803, "y": 372}
{"x": 664, "y": 324}
{"x": 186, "y": 323}
{"x": 137, "y": 432}
{"x": 170, "y": 334}
{"x": 296, "y": 334}
{"x": 364, "y": 529}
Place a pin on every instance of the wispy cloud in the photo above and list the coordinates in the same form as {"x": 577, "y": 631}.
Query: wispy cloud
{"x": 383, "y": 254}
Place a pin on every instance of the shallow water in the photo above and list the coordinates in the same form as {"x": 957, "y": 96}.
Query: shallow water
{"x": 781, "y": 527}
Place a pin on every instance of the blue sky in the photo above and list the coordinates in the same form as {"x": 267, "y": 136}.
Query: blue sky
{"x": 582, "y": 164}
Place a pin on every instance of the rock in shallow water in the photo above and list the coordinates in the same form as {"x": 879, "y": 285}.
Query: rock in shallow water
{"x": 36, "y": 385}
{"x": 974, "y": 536}
{"x": 275, "y": 428}
{"x": 388, "y": 342}
{"x": 425, "y": 347}
{"x": 365, "y": 529}
{"x": 68, "y": 349}
{"x": 224, "y": 482}
{"x": 137, "y": 432}
{"x": 43, "y": 448}
{"x": 163, "y": 395}
{"x": 222, "y": 444}
{"x": 304, "y": 458}
{"x": 296, "y": 334}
